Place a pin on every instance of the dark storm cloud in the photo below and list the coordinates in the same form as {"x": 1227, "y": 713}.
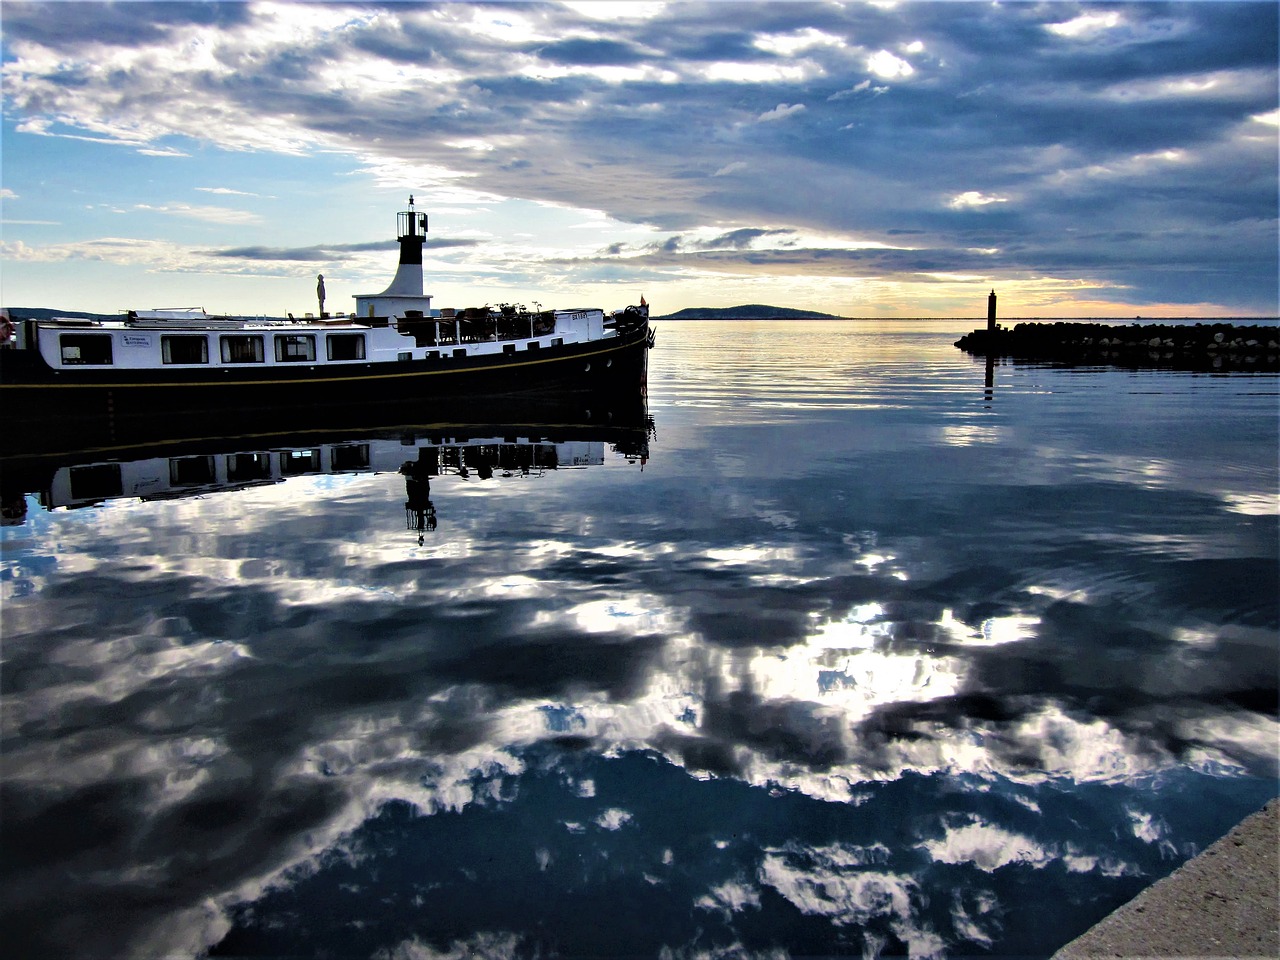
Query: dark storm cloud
{"x": 67, "y": 25}
{"x": 739, "y": 239}
{"x": 588, "y": 52}
{"x": 323, "y": 252}
{"x": 854, "y": 120}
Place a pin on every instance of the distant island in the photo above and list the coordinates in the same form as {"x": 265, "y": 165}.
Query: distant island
{"x": 750, "y": 311}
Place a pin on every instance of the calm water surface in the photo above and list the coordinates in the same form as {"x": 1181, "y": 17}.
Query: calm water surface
{"x": 872, "y": 654}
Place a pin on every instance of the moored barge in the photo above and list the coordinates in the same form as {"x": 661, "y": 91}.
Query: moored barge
{"x": 393, "y": 348}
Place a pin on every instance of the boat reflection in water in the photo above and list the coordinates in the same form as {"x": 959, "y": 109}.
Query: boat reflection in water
{"x": 421, "y": 454}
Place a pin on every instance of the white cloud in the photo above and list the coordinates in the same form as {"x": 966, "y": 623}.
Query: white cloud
{"x": 1209, "y": 85}
{"x": 119, "y": 250}
{"x": 781, "y": 111}
{"x": 857, "y": 88}
{"x": 729, "y": 168}
{"x": 227, "y": 192}
{"x": 205, "y": 213}
{"x": 613, "y": 819}
{"x": 729, "y": 898}
{"x": 987, "y": 847}
{"x": 789, "y": 44}
{"x": 616, "y": 9}
{"x": 972, "y": 198}
{"x": 1086, "y": 25}
{"x": 763, "y": 73}
{"x": 818, "y": 883}
{"x": 889, "y": 67}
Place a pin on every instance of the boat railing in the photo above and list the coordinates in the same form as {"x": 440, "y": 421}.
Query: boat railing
{"x": 493, "y": 327}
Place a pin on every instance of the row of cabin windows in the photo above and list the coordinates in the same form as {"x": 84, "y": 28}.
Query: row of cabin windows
{"x": 101, "y": 480}
{"x": 95, "y": 348}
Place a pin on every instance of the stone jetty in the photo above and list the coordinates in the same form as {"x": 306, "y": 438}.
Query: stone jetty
{"x": 1201, "y": 346}
{"x": 1223, "y": 903}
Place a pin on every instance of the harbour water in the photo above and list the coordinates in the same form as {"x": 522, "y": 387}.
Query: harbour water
{"x": 862, "y": 648}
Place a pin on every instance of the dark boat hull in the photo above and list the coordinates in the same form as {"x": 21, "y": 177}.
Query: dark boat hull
{"x": 48, "y": 411}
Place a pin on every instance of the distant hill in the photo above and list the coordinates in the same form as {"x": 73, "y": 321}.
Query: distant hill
{"x": 750, "y": 311}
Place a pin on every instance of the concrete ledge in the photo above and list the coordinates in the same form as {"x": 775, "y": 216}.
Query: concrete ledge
{"x": 1223, "y": 903}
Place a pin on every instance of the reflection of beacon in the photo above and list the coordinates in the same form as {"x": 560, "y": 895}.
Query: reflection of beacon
{"x": 419, "y": 510}
{"x": 320, "y": 292}
{"x": 991, "y": 312}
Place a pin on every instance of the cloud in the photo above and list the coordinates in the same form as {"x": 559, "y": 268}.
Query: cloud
{"x": 590, "y": 52}
{"x": 889, "y": 67}
{"x": 855, "y": 89}
{"x": 617, "y": 109}
{"x": 323, "y": 252}
{"x": 305, "y": 254}
{"x": 162, "y": 152}
{"x": 228, "y": 192}
{"x": 973, "y": 198}
{"x": 739, "y": 239}
{"x": 780, "y": 112}
{"x": 1087, "y": 25}
{"x": 206, "y": 213}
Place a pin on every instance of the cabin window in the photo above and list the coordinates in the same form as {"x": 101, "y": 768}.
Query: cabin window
{"x": 460, "y": 353}
{"x": 350, "y": 456}
{"x": 557, "y": 341}
{"x": 191, "y": 471}
{"x": 295, "y": 349}
{"x": 294, "y": 462}
{"x": 244, "y": 467}
{"x": 533, "y": 345}
{"x": 242, "y": 349}
{"x": 508, "y": 348}
{"x": 184, "y": 349}
{"x": 345, "y": 346}
{"x": 85, "y": 348}
{"x": 96, "y": 481}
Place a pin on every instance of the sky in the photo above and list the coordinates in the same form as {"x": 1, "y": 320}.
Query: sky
{"x": 861, "y": 159}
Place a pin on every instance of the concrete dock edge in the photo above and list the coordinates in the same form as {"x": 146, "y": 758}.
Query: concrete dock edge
{"x": 1223, "y": 903}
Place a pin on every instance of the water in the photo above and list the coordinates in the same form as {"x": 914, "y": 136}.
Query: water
{"x": 868, "y": 653}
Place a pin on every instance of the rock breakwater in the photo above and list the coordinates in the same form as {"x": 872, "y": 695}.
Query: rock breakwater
{"x": 1201, "y": 346}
